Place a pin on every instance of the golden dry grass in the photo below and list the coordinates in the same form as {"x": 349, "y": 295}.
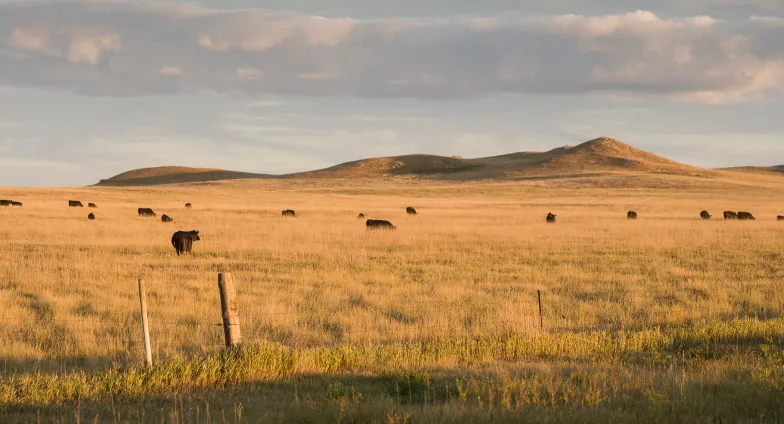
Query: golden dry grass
{"x": 468, "y": 266}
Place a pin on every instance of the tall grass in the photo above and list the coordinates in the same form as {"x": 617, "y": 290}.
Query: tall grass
{"x": 633, "y": 310}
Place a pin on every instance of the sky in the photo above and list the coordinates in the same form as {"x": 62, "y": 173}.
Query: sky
{"x": 90, "y": 88}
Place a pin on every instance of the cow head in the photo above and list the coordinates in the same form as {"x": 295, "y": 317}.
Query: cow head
{"x": 195, "y": 235}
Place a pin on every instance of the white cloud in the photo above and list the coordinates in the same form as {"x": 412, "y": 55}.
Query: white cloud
{"x": 89, "y": 48}
{"x": 170, "y": 70}
{"x": 632, "y": 55}
{"x": 26, "y": 41}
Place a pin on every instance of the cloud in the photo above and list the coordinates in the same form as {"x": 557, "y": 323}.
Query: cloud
{"x": 89, "y": 48}
{"x": 249, "y": 73}
{"x": 125, "y": 48}
{"x": 170, "y": 70}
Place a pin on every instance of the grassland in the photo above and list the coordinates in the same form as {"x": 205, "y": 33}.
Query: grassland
{"x": 664, "y": 319}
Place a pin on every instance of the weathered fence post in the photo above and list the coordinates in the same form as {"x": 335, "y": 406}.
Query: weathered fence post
{"x": 229, "y": 310}
{"x": 145, "y": 325}
{"x": 539, "y": 299}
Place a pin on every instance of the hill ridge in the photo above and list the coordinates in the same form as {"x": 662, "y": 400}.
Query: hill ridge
{"x": 596, "y": 156}
{"x": 161, "y": 175}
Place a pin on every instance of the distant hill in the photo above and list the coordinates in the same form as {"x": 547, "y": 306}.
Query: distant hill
{"x": 599, "y": 156}
{"x": 758, "y": 169}
{"x": 174, "y": 175}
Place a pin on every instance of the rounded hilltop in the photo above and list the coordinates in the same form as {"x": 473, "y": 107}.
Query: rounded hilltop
{"x": 174, "y": 175}
{"x": 602, "y": 155}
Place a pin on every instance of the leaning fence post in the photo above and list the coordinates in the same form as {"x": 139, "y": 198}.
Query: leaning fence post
{"x": 145, "y": 325}
{"x": 539, "y": 299}
{"x": 229, "y": 310}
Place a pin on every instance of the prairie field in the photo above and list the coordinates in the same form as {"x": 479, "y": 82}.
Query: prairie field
{"x": 668, "y": 318}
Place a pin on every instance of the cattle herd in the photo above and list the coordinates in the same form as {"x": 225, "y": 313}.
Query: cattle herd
{"x": 182, "y": 241}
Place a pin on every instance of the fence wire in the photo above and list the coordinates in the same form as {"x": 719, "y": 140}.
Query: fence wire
{"x": 120, "y": 337}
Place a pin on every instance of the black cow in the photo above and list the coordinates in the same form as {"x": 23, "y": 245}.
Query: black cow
{"x": 146, "y": 212}
{"x": 746, "y": 216}
{"x": 188, "y": 205}
{"x": 6, "y": 202}
{"x": 183, "y": 241}
{"x": 91, "y": 217}
{"x": 166, "y": 218}
{"x": 16, "y": 204}
{"x": 361, "y": 216}
{"x": 379, "y": 224}
{"x": 75, "y": 204}
{"x": 550, "y": 218}
{"x": 730, "y": 216}
{"x": 631, "y": 215}
{"x": 92, "y": 205}
{"x": 411, "y": 211}
{"x": 705, "y": 215}
{"x": 780, "y": 218}
{"x": 289, "y": 212}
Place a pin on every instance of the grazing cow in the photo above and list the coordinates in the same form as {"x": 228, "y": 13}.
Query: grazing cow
{"x": 550, "y": 218}
{"x": 188, "y": 205}
{"x": 92, "y": 205}
{"x": 91, "y": 217}
{"x": 146, "y": 212}
{"x": 411, "y": 211}
{"x": 705, "y": 215}
{"x": 183, "y": 241}
{"x": 780, "y": 218}
{"x": 746, "y": 216}
{"x": 289, "y": 212}
{"x": 361, "y": 216}
{"x": 631, "y": 215}
{"x": 16, "y": 204}
{"x": 75, "y": 204}
{"x": 6, "y": 202}
{"x": 166, "y": 218}
{"x": 379, "y": 224}
{"x": 730, "y": 215}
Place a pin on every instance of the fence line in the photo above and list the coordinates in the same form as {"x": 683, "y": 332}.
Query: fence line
{"x": 541, "y": 315}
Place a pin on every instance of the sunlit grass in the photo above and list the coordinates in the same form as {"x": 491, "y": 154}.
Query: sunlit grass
{"x": 636, "y": 314}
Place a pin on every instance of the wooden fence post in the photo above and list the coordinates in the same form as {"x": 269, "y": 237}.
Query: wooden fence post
{"x": 229, "y": 310}
{"x": 539, "y": 299}
{"x": 145, "y": 325}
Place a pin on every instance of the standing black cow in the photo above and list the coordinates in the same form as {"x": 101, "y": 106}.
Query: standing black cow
{"x": 146, "y": 212}
{"x": 705, "y": 215}
{"x": 16, "y": 204}
{"x": 289, "y": 212}
{"x": 92, "y": 205}
{"x": 730, "y": 216}
{"x": 183, "y": 241}
{"x": 75, "y": 204}
{"x": 379, "y": 224}
{"x": 631, "y": 215}
{"x": 780, "y": 218}
{"x": 746, "y": 216}
{"x": 166, "y": 218}
{"x": 550, "y": 218}
{"x": 91, "y": 217}
{"x": 188, "y": 205}
{"x": 361, "y": 216}
{"x": 411, "y": 211}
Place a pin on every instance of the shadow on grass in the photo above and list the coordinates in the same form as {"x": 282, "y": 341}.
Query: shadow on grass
{"x": 442, "y": 395}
